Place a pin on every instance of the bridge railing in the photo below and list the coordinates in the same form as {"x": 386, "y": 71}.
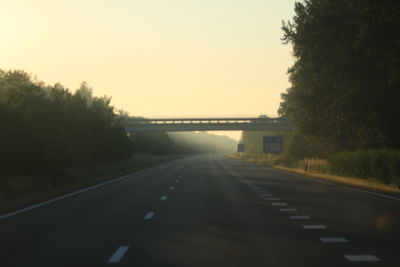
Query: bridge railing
{"x": 203, "y": 120}
{"x": 206, "y": 124}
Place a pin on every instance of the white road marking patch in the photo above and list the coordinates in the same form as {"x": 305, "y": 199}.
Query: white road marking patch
{"x": 171, "y": 188}
{"x": 272, "y": 198}
{"x": 334, "y": 239}
{"x": 118, "y": 254}
{"x": 299, "y": 217}
{"x": 279, "y": 204}
{"x": 164, "y": 198}
{"x": 266, "y": 195}
{"x": 149, "y": 215}
{"x": 314, "y": 226}
{"x": 285, "y": 210}
{"x": 362, "y": 258}
{"x": 177, "y": 181}
{"x": 260, "y": 191}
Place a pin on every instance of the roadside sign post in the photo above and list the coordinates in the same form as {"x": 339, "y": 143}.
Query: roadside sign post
{"x": 240, "y": 147}
{"x": 240, "y": 150}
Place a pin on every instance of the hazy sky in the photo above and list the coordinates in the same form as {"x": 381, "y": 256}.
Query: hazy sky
{"x": 155, "y": 57}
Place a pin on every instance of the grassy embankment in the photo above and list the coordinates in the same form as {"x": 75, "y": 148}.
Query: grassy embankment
{"x": 378, "y": 171}
{"x": 20, "y": 191}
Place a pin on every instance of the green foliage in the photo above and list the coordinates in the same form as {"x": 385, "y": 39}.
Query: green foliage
{"x": 285, "y": 160}
{"x": 45, "y": 128}
{"x": 346, "y": 76}
{"x": 381, "y": 165}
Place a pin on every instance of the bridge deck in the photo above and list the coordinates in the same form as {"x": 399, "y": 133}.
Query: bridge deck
{"x": 207, "y": 124}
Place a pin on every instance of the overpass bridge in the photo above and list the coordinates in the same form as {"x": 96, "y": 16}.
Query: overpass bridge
{"x": 207, "y": 124}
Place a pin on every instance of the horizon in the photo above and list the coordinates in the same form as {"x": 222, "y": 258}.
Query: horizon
{"x": 164, "y": 57}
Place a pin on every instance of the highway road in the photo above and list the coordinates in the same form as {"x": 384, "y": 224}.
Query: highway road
{"x": 206, "y": 211}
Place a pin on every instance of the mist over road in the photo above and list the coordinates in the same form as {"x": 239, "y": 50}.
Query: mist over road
{"x": 207, "y": 211}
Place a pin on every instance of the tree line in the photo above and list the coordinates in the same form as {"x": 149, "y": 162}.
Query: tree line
{"x": 46, "y": 128}
{"x": 345, "y": 88}
{"x": 346, "y": 75}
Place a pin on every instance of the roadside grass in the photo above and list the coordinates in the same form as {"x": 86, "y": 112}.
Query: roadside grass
{"x": 352, "y": 181}
{"x": 318, "y": 168}
{"x": 20, "y": 191}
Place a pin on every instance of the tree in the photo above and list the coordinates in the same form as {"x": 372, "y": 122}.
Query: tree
{"x": 47, "y": 127}
{"x": 346, "y": 75}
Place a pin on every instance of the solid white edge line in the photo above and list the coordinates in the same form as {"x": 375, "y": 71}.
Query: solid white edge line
{"x": 118, "y": 254}
{"x": 19, "y": 211}
{"x": 344, "y": 187}
{"x": 337, "y": 185}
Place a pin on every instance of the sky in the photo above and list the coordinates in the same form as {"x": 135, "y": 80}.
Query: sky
{"x": 155, "y": 58}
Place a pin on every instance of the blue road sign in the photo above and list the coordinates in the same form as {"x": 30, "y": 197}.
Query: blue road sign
{"x": 273, "y": 144}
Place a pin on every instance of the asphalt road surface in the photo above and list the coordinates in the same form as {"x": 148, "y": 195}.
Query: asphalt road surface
{"x": 207, "y": 211}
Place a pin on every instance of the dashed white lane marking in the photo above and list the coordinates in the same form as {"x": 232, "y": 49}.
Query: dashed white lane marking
{"x": 260, "y": 191}
{"x": 118, "y": 254}
{"x": 279, "y": 204}
{"x": 362, "y": 258}
{"x": 164, "y": 198}
{"x": 337, "y": 185}
{"x": 149, "y": 215}
{"x": 272, "y": 198}
{"x": 177, "y": 181}
{"x": 171, "y": 188}
{"x": 266, "y": 195}
{"x": 314, "y": 226}
{"x": 299, "y": 217}
{"x": 256, "y": 189}
{"x": 47, "y": 202}
{"x": 334, "y": 239}
{"x": 287, "y": 210}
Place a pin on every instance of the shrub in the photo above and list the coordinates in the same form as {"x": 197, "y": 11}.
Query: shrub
{"x": 383, "y": 166}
